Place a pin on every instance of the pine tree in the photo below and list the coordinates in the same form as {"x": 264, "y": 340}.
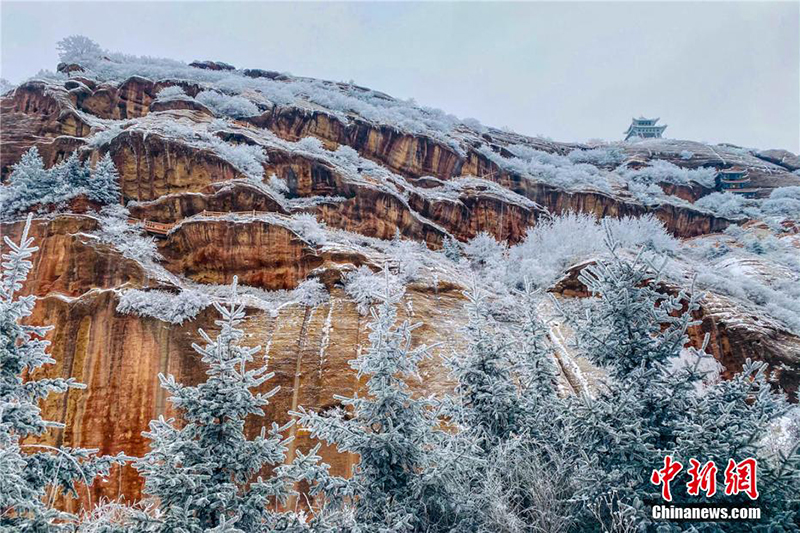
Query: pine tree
{"x": 513, "y": 430}
{"x": 29, "y": 183}
{"x": 27, "y": 471}
{"x": 649, "y": 408}
{"x": 103, "y": 183}
{"x": 539, "y": 375}
{"x": 399, "y": 483}
{"x": 451, "y": 249}
{"x": 204, "y": 471}
{"x": 488, "y": 402}
{"x": 73, "y": 173}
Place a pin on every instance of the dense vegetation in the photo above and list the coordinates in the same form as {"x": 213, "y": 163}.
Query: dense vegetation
{"x": 506, "y": 451}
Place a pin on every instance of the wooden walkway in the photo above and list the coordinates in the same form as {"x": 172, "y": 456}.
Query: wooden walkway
{"x": 162, "y": 229}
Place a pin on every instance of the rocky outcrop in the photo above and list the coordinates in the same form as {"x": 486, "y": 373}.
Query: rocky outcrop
{"x": 783, "y": 158}
{"x": 153, "y": 166}
{"x": 36, "y": 114}
{"x": 212, "y": 65}
{"x": 237, "y": 197}
{"x": 71, "y": 262}
{"x": 263, "y": 255}
{"x": 735, "y": 334}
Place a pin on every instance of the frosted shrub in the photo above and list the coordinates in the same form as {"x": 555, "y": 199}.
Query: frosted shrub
{"x": 366, "y": 287}
{"x": 552, "y": 246}
{"x": 165, "y": 306}
{"x": 724, "y": 204}
{"x": 406, "y": 257}
{"x": 311, "y": 144}
{"x": 659, "y": 171}
{"x": 229, "y": 106}
{"x": 550, "y": 168}
{"x": 126, "y": 238}
{"x": 308, "y": 227}
{"x": 249, "y": 159}
{"x": 602, "y": 156}
{"x": 485, "y": 253}
{"x": 646, "y": 232}
{"x": 649, "y": 194}
{"x": 278, "y": 185}
{"x": 310, "y": 293}
{"x": 783, "y": 201}
{"x": 105, "y": 136}
{"x": 475, "y": 125}
{"x": 171, "y": 92}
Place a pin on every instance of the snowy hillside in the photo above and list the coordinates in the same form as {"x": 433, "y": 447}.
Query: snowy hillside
{"x": 340, "y": 211}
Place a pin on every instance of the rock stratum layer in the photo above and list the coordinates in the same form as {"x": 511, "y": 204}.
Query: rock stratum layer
{"x": 418, "y": 185}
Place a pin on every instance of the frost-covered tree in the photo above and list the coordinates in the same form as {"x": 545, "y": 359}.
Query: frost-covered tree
{"x": 27, "y": 471}
{"x": 513, "y": 425}
{"x": 652, "y": 406}
{"x": 77, "y": 48}
{"x": 29, "y": 183}
{"x": 73, "y": 173}
{"x": 230, "y": 106}
{"x": 405, "y": 256}
{"x": 165, "y": 306}
{"x": 366, "y": 287}
{"x": 103, "y": 183}
{"x": 451, "y": 249}
{"x": 310, "y": 293}
{"x": 485, "y": 253}
{"x": 488, "y": 402}
{"x": 538, "y": 372}
{"x": 399, "y": 483}
{"x": 204, "y": 471}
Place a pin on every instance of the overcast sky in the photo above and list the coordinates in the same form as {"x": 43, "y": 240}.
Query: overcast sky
{"x": 717, "y": 72}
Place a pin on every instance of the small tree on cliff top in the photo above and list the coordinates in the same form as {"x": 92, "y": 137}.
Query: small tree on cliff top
{"x": 27, "y": 471}
{"x": 204, "y": 471}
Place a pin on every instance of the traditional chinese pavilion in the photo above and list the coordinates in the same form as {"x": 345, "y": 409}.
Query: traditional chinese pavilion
{"x": 736, "y": 181}
{"x": 644, "y": 128}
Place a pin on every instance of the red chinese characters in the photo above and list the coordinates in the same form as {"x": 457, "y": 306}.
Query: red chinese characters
{"x": 703, "y": 478}
{"x": 665, "y": 475}
{"x": 741, "y": 477}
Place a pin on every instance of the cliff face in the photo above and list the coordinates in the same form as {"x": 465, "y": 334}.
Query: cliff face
{"x": 223, "y": 221}
{"x": 119, "y": 356}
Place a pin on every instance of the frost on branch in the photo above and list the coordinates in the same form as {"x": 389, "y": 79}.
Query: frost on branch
{"x": 165, "y": 306}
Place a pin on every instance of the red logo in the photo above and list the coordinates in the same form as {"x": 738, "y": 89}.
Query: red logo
{"x": 704, "y": 478}
{"x": 665, "y": 475}
{"x": 739, "y": 477}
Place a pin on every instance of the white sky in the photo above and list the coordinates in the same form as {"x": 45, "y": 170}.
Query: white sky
{"x": 713, "y": 71}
